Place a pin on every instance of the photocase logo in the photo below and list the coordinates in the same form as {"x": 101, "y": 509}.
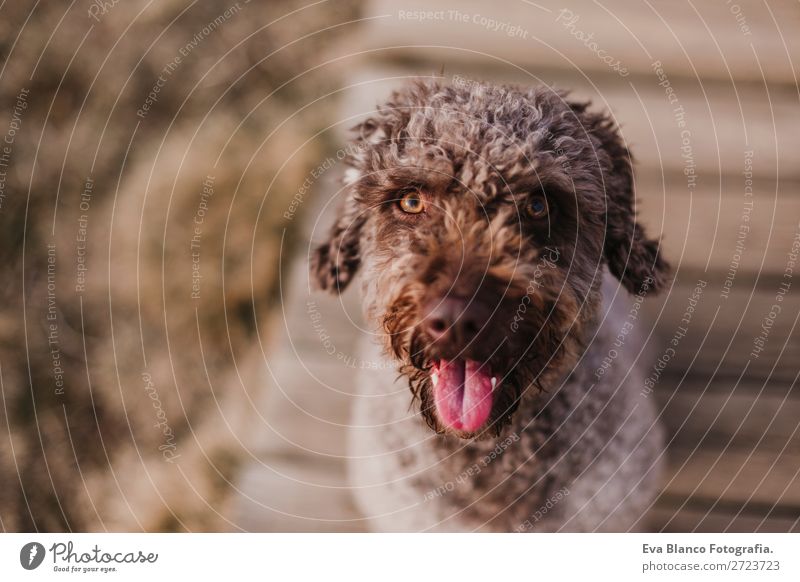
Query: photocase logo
{"x": 31, "y": 555}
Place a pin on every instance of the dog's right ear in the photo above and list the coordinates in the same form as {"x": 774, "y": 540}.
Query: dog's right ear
{"x": 334, "y": 262}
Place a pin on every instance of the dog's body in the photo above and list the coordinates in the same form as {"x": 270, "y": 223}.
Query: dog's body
{"x": 484, "y": 220}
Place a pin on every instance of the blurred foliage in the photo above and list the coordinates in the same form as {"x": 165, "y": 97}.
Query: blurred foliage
{"x": 233, "y": 108}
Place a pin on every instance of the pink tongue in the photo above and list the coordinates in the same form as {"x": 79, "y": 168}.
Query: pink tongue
{"x": 462, "y": 391}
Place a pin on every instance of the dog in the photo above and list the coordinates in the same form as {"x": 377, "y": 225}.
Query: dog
{"x": 484, "y": 221}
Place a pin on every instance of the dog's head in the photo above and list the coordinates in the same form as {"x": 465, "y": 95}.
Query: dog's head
{"x": 482, "y": 218}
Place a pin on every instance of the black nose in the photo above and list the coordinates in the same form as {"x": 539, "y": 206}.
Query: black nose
{"x": 455, "y": 320}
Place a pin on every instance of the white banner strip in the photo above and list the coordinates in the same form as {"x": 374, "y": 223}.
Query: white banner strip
{"x": 380, "y": 557}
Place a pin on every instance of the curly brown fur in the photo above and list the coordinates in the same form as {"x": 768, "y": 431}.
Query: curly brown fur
{"x": 485, "y": 274}
{"x": 476, "y": 155}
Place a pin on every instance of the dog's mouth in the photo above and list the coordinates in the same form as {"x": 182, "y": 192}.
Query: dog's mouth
{"x": 463, "y": 392}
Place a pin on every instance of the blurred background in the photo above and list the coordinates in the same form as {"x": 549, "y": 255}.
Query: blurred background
{"x": 164, "y": 365}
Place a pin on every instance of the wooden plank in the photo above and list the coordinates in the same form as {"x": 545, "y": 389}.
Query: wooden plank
{"x": 722, "y": 125}
{"x": 722, "y": 332}
{"x": 695, "y": 518}
{"x": 717, "y": 414}
{"x": 717, "y": 225}
{"x": 763, "y": 477}
{"x": 710, "y": 39}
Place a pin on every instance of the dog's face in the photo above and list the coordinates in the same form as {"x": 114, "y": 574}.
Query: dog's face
{"x": 482, "y": 218}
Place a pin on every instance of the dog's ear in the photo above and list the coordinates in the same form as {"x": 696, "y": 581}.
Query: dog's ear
{"x": 632, "y": 257}
{"x": 334, "y": 262}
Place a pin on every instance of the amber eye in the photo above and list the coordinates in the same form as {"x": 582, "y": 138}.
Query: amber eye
{"x": 412, "y": 203}
{"x": 537, "y": 207}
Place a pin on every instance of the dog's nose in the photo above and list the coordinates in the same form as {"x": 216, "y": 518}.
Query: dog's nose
{"x": 455, "y": 318}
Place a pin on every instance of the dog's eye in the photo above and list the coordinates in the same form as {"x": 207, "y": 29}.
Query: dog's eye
{"x": 537, "y": 207}
{"x": 412, "y": 203}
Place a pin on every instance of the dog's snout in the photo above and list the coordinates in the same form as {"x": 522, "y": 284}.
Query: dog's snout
{"x": 454, "y": 319}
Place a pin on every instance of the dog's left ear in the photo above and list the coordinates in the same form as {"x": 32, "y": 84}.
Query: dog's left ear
{"x": 632, "y": 257}
{"x": 334, "y": 263}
